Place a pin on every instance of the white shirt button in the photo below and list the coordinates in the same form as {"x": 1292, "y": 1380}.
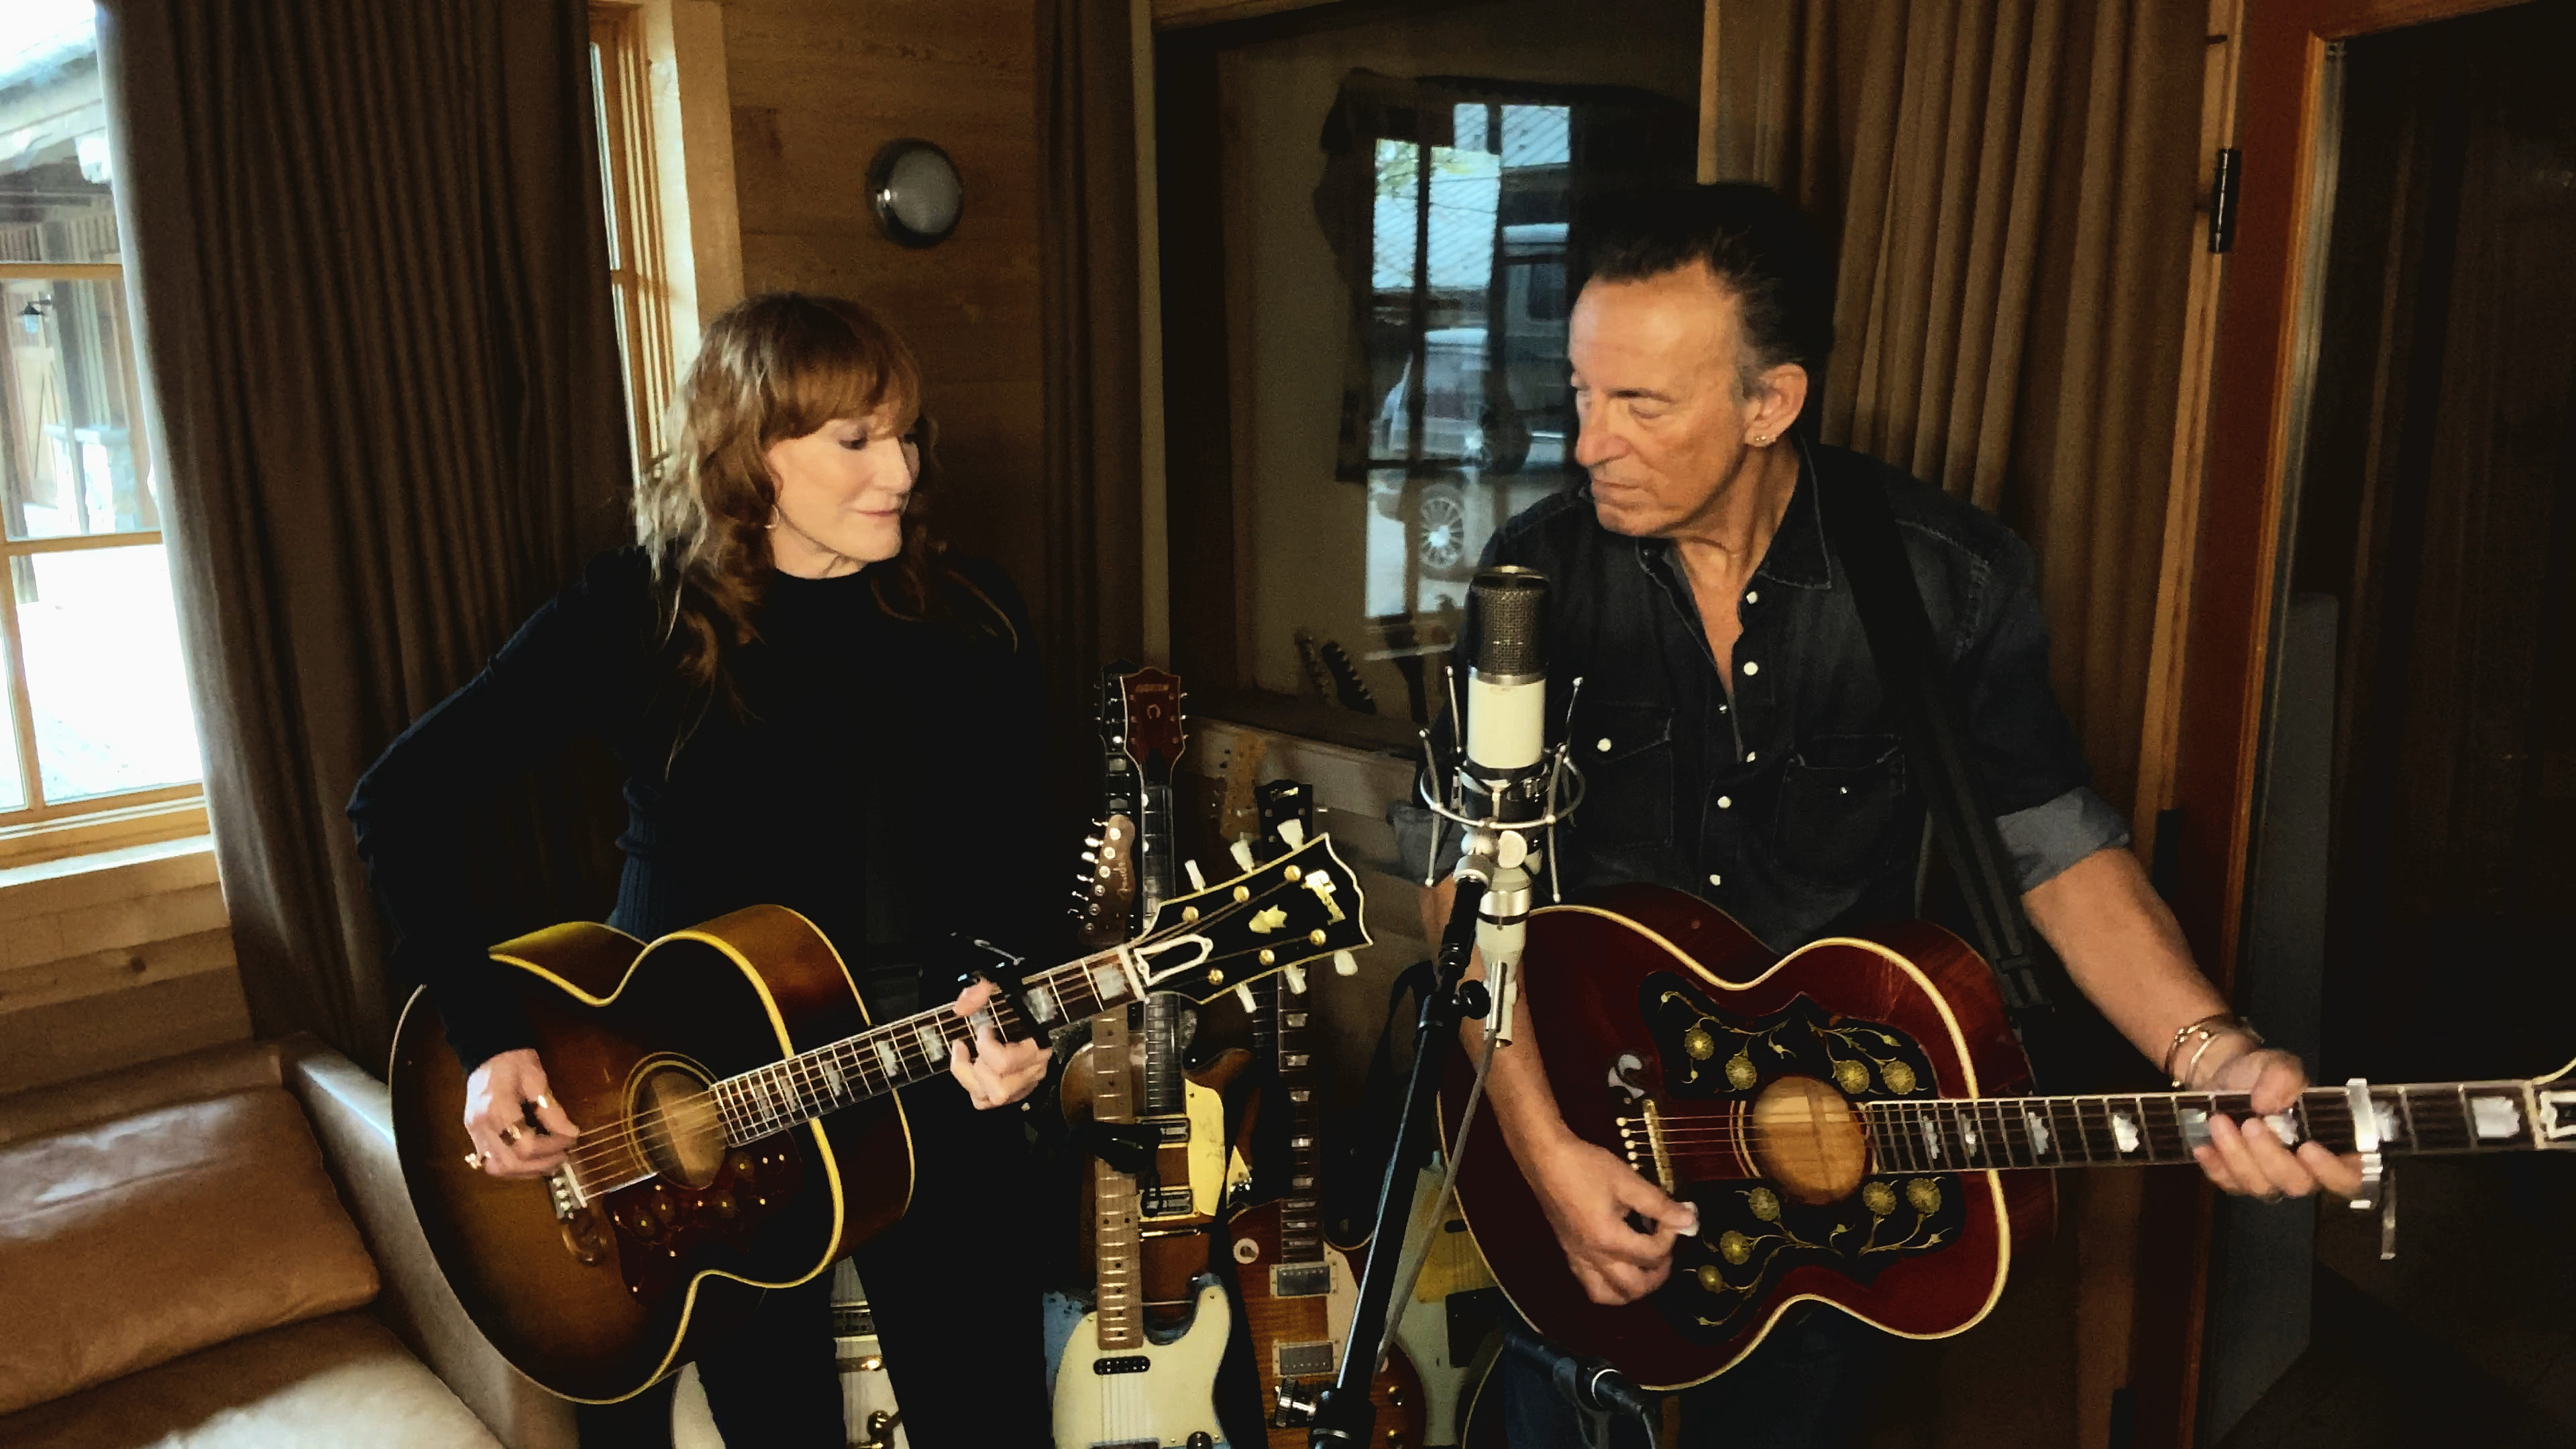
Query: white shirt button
{"x": 1752, "y": 668}
{"x": 1753, "y": 596}
{"x": 1725, "y": 802}
{"x": 1715, "y": 879}
{"x": 1602, "y": 744}
{"x": 1751, "y": 755}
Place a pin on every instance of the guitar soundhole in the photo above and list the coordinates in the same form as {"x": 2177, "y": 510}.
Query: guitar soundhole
{"x": 676, "y": 1124}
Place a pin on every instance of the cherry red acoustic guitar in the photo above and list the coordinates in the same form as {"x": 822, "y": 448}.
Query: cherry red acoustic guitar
{"x": 1847, "y": 1120}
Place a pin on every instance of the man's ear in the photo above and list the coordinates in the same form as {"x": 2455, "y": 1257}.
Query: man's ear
{"x": 1782, "y": 400}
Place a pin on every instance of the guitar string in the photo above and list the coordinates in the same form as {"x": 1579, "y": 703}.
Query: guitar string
{"x": 622, "y": 1141}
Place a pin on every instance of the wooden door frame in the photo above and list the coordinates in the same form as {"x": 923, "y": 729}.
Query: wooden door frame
{"x": 2231, "y": 574}
{"x": 2255, "y": 411}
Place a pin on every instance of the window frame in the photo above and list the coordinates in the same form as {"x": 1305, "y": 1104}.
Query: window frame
{"x": 45, "y": 829}
{"x": 630, "y": 184}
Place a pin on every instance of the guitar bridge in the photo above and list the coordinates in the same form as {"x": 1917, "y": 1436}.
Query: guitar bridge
{"x": 565, "y": 1194}
{"x": 1641, "y": 1139}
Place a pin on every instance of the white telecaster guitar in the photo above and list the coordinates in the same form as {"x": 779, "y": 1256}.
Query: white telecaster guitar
{"x": 1116, "y": 1388}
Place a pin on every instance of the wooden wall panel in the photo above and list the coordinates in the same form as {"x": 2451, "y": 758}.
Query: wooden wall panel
{"x": 817, "y": 87}
{"x": 108, "y": 965}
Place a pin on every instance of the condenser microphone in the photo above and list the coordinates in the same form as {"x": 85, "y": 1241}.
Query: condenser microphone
{"x": 1504, "y": 774}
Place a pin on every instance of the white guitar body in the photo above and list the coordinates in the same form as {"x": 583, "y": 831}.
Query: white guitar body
{"x": 1152, "y": 1396}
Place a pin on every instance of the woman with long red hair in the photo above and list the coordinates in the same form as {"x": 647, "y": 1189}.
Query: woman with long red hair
{"x": 813, "y": 706}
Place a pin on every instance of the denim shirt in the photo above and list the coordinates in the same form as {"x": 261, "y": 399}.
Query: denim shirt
{"x": 1790, "y": 804}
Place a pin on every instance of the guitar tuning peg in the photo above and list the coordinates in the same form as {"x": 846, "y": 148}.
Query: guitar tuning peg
{"x": 1190, "y": 868}
{"x": 1243, "y": 994}
{"x": 1345, "y": 964}
{"x": 1242, "y": 852}
{"x": 1296, "y": 979}
{"x": 1091, "y": 857}
{"x": 1294, "y": 832}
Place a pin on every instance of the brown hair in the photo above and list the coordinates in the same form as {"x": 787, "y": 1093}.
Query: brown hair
{"x": 772, "y": 367}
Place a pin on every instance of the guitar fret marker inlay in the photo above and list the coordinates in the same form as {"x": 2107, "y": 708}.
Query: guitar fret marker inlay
{"x": 890, "y": 1060}
{"x": 2124, "y": 1132}
{"x": 934, "y": 1043}
{"x": 2496, "y": 1117}
{"x": 2038, "y": 1132}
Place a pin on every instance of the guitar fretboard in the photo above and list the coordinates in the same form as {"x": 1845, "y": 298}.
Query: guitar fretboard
{"x": 772, "y": 1098}
{"x": 1301, "y": 1207}
{"x": 1114, "y": 1192}
{"x": 1951, "y": 1135}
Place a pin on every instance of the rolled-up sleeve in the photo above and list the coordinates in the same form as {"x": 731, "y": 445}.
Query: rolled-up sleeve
{"x": 2047, "y": 838}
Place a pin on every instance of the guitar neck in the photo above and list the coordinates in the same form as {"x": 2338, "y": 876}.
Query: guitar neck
{"x": 1301, "y": 1208}
{"x": 1157, "y": 860}
{"x": 1950, "y": 1135}
{"x": 1166, "y": 1092}
{"x": 1113, "y": 1193}
{"x": 769, "y": 1099}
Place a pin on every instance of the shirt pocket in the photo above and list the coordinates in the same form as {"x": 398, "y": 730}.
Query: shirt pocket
{"x": 1837, "y": 804}
{"x": 1625, "y": 752}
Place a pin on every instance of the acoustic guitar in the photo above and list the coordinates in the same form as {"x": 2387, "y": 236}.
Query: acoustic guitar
{"x": 1850, "y": 1122}
{"x": 739, "y": 1125}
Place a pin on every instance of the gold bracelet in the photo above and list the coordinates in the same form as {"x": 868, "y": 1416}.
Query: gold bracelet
{"x": 2245, "y": 1029}
{"x": 2206, "y": 1026}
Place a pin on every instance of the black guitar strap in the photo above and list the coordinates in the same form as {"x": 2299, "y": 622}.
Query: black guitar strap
{"x": 1916, "y": 681}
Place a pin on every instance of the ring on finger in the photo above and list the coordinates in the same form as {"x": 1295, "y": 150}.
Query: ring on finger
{"x": 509, "y": 1133}
{"x": 2275, "y": 1195}
{"x": 540, "y": 1102}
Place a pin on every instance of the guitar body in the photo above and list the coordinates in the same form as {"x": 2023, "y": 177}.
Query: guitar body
{"x": 1747, "y": 1068}
{"x": 1149, "y": 1394}
{"x": 1296, "y": 1336}
{"x": 598, "y": 1303}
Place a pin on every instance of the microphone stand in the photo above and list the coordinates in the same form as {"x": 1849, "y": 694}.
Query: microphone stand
{"x": 1344, "y": 1417}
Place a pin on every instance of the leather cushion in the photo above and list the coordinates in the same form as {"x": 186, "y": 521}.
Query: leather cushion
{"x": 126, "y": 1243}
{"x": 327, "y": 1383}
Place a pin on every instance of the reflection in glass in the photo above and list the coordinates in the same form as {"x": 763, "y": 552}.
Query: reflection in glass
{"x": 55, "y": 179}
{"x": 68, "y": 461}
{"x": 13, "y": 790}
{"x": 104, "y": 678}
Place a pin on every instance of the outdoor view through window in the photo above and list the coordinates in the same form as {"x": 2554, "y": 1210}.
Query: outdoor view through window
{"x": 96, "y": 702}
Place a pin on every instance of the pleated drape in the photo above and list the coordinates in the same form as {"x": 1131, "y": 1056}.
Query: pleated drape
{"x": 2011, "y": 186}
{"x": 1091, "y": 601}
{"x": 383, "y": 390}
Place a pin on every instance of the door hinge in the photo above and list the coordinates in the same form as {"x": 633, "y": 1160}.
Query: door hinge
{"x": 2225, "y": 181}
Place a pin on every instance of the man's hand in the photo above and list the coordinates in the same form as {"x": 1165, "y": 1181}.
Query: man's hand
{"x": 2248, "y": 1159}
{"x": 1588, "y": 1195}
{"x": 518, "y": 1130}
{"x": 995, "y": 1074}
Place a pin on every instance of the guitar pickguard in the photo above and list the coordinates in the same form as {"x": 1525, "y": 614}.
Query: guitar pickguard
{"x": 666, "y": 1230}
{"x": 1755, "y": 1229}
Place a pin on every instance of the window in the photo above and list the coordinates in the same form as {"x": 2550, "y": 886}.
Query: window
{"x": 620, "y": 86}
{"x": 95, "y": 709}
{"x": 1370, "y": 225}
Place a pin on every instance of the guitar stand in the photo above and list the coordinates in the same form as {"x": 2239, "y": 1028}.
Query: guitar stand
{"x": 1344, "y": 1418}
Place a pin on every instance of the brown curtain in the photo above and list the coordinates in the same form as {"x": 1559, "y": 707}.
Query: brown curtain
{"x": 383, "y": 389}
{"x": 2012, "y": 186}
{"x": 1089, "y": 604}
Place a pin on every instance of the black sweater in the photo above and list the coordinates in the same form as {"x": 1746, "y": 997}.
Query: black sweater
{"x": 875, "y": 779}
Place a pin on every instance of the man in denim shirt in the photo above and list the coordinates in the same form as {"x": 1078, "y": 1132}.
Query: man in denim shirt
{"x": 1736, "y": 745}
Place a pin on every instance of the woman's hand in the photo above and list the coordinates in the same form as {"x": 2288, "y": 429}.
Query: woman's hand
{"x": 518, "y": 1129}
{"x": 995, "y": 1073}
{"x": 2247, "y": 1159}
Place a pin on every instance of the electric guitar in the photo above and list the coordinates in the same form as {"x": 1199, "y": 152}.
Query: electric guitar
{"x": 1140, "y": 718}
{"x": 868, "y": 1408}
{"x": 1115, "y": 1385}
{"x": 1299, "y": 1294}
{"x": 739, "y": 1125}
{"x": 1850, "y": 1122}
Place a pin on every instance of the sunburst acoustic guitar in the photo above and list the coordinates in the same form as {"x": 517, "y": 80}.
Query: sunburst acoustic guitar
{"x": 740, "y": 1128}
{"x": 1850, "y": 1121}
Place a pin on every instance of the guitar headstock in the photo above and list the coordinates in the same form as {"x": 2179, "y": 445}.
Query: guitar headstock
{"x": 1141, "y": 710}
{"x": 1105, "y": 889}
{"x": 1300, "y": 907}
{"x": 1287, "y": 810}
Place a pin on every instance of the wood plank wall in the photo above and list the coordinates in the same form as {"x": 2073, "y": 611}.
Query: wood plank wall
{"x": 817, "y": 87}
{"x": 127, "y": 958}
